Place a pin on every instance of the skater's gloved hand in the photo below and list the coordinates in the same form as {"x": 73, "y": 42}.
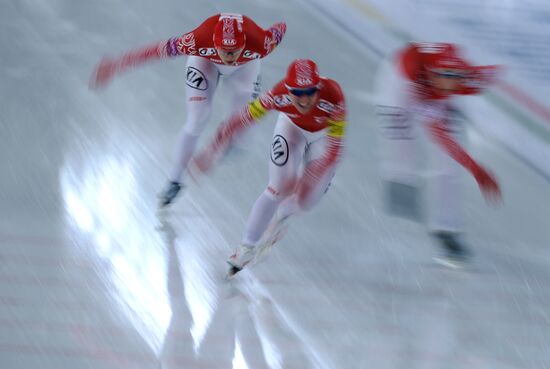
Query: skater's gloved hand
{"x": 104, "y": 73}
{"x": 235, "y": 125}
{"x": 202, "y": 163}
{"x": 278, "y": 31}
{"x": 479, "y": 78}
{"x": 207, "y": 159}
{"x": 488, "y": 185}
{"x": 107, "y": 68}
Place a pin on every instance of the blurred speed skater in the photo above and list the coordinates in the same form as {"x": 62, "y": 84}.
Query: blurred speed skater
{"x": 225, "y": 45}
{"x": 306, "y": 148}
{"x": 420, "y": 133}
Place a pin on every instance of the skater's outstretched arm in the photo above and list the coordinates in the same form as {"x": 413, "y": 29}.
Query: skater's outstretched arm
{"x": 190, "y": 43}
{"x": 273, "y": 36}
{"x": 233, "y": 127}
{"x": 478, "y": 79}
{"x": 108, "y": 68}
{"x": 487, "y": 183}
{"x": 186, "y": 44}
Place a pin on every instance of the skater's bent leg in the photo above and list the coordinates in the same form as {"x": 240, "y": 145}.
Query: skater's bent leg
{"x": 296, "y": 204}
{"x": 307, "y": 200}
{"x": 197, "y": 117}
{"x": 311, "y": 190}
{"x": 260, "y": 216}
{"x": 286, "y": 153}
{"x": 289, "y": 207}
{"x": 444, "y": 204}
{"x": 244, "y": 86}
{"x": 444, "y": 193}
{"x": 185, "y": 149}
{"x": 202, "y": 79}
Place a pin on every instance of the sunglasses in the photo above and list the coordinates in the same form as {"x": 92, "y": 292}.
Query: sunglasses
{"x": 303, "y": 91}
{"x": 449, "y": 74}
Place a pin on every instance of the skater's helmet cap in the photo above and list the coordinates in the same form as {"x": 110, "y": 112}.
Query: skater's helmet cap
{"x": 229, "y": 34}
{"x": 441, "y": 56}
{"x": 302, "y": 74}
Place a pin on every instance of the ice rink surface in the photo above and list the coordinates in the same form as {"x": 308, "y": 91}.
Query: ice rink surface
{"x": 91, "y": 276}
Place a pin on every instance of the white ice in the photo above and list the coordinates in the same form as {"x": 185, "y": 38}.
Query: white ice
{"x": 92, "y": 277}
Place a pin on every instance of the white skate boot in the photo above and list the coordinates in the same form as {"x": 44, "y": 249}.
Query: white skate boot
{"x": 455, "y": 253}
{"x": 169, "y": 194}
{"x": 242, "y": 256}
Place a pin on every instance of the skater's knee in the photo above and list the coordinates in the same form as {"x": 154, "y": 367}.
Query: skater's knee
{"x": 305, "y": 204}
{"x": 281, "y": 188}
{"x": 196, "y": 122}
{"x": 276, "y": 194}
{"x": 306, "y": 200}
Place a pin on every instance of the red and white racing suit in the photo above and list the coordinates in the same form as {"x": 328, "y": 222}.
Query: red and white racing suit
{"x": 203, "y": 70}
{"x": 305, "y": 150}
{"x": 420, "y": 138}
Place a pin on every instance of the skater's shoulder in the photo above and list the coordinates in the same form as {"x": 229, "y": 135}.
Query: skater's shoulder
{"x": 208, "y": 24}
{"x": 279, "y": 88}
{"x": 331, "y": 90}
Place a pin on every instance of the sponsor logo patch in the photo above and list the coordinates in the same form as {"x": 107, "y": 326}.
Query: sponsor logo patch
{"x": 266, "y": 100}
{"x": 282, "y": 100}
{"x": 251, "y": 55}
{"x": 279, "y": 150}
{"x": 394, "y": 122}
{"x": 228, "y": 31}
{"x": 325, "y": 106}
{"x": 195, "y": 79}
{"x": 257, "y": 87}
{"x": 207, "y": 51}
{"x": 273, "y": 191}
{"x": 197, "y": 98}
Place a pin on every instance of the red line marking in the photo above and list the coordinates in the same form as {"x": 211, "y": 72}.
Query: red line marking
{"x": 54, "y": 262}
{"x": 102, "y": 354}
{"x": 26, "y": 239}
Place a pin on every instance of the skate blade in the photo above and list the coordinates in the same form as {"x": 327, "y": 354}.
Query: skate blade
{"x": 162, "y": 206}
{"x": 163, "y": 202}
{"x": 233, "y": 270}
{"x": 450, "y": 263}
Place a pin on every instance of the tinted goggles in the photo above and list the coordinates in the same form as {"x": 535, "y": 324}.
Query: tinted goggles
{"x": 303, "y": 91}
{"x": 449, "y": 74}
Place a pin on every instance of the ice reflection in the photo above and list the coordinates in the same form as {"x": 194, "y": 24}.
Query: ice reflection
{"x": 239, "y": 361}
{"x": 241, "y": 327}
{"x": 262, "y": 335}
{"x": 102, "y": 201}
{"x": 200, "y": 296}
{"x": 197, "y": 273}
